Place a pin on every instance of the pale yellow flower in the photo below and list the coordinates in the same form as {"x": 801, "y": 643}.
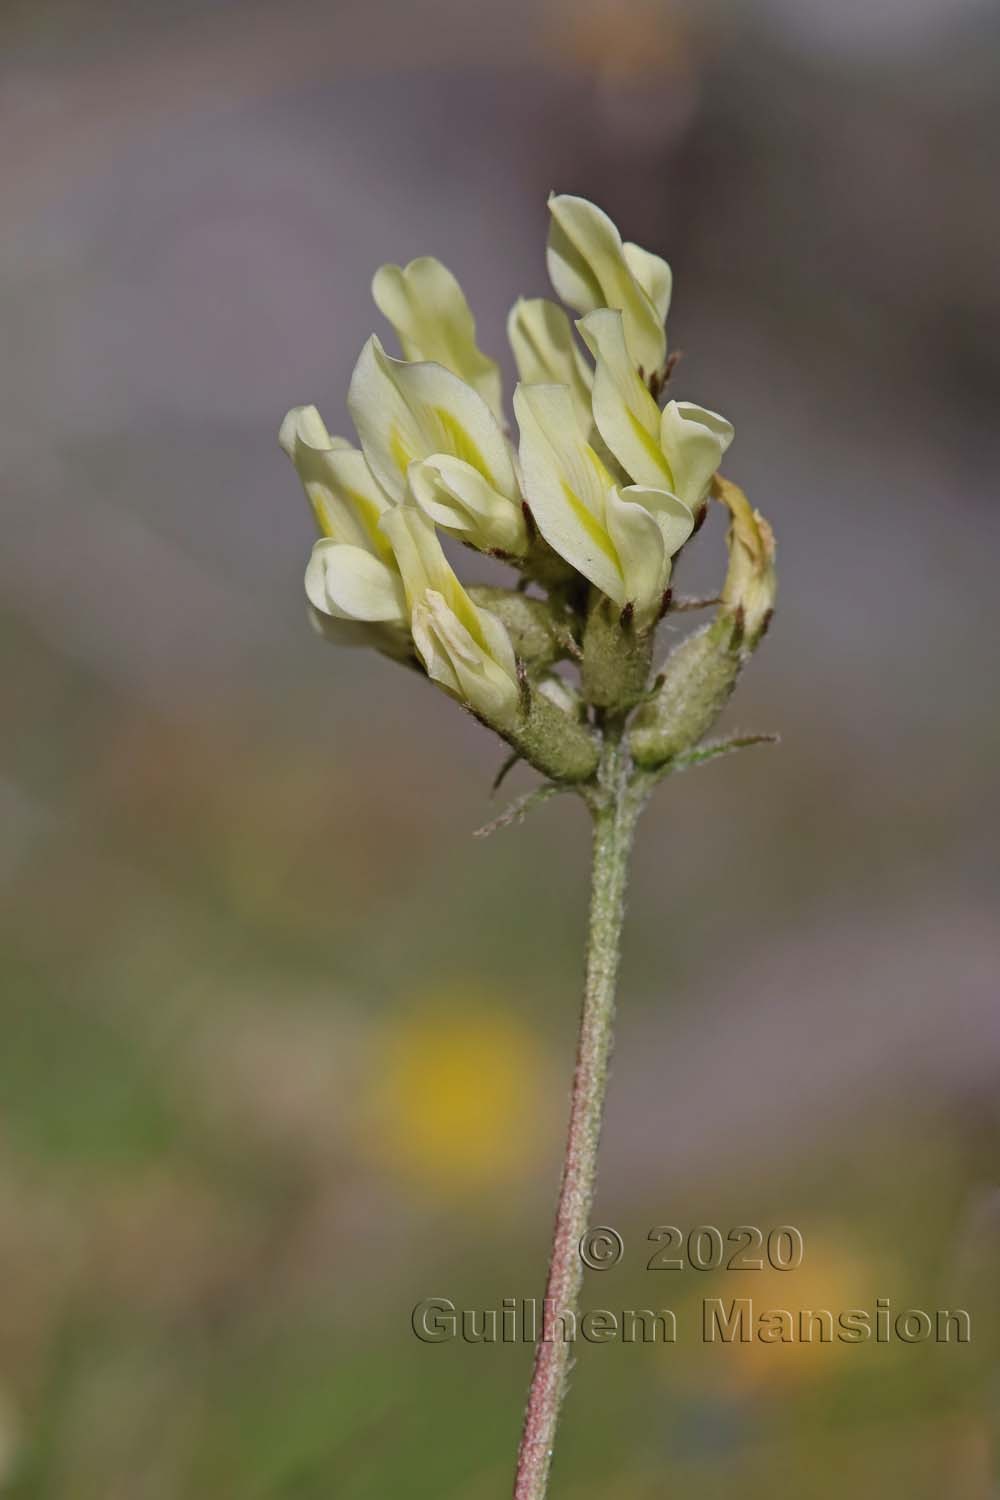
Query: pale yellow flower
{"x": 678, "y": 449}
{"x": 352, "y": 582}
{"x": 546, "y": 353}
{"x": 464, "y": 648}
{"x": 591, "y": 267}
{"x": 430, "y": 438}
{"x": 425, "y": 304}
{"x": 621, "y": 539}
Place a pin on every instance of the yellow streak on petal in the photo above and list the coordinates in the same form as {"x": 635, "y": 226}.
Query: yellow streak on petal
{"x": 463, "y": 446}
{"x": 591, "y": 525}
{"x": 320, "y": 512}
{"x": 465, "y": 611}
{"x": 402, "y": 457}
{"x": 651, "y": 446}
{"x": 604, "y": 478}
{"x": 368, "y": 514}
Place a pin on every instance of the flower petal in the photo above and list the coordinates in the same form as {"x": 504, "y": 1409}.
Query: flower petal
{"x": 424, "y": 566}
{"x": 644, "y": 559}
{"x": 455, "y": 659}
{"x": 433, "y": 652}
{"x": 425, "y": 304}
{"x": 674, "y": 518}
{"x": 546, "y": 353}
{"x": 566, "y": 485}
{"x": 562, "y": 694}
{"x": 694, "y": 441}
{"x": 345, "y": 497}
{"x": 626, "y": 415}
{"x": 588, "y": 268}
{"x": 392, "y": 640}
{"x": 351, "y": 584}
{"x": 653, "y": 275}
{"x": 404, "y": 412}
{"x": 457, "y": 497}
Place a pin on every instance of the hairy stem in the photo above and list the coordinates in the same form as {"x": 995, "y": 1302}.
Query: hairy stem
{"x": 616, "y": 807}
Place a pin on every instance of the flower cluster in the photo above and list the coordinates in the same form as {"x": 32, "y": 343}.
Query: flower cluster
{"x": 591, "y": 507}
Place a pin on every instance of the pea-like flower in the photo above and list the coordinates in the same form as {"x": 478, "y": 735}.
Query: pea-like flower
{"x": 352, "y": 580}
{"x": 464, "y": 648}
{"x": 591, "y": 267}
{"x": 678, "y": 449}
{"x": 426, "y": 306}
{"x": 546, "y": 353}
{"x": 620, "y": 538}
{"x": 430, "y": 438}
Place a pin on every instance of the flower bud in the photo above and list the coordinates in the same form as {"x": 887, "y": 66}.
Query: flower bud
{"x": 751, "y": 582}
{"x": 701, "y": 672}
{"x": 464, "y": 649}
{"x": 697, "y": 679}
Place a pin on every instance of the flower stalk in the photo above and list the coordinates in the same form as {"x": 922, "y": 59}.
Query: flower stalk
{"x": 615, "y": 805}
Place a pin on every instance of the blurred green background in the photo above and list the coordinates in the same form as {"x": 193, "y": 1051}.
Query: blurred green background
{"x": 282, "y": 1049}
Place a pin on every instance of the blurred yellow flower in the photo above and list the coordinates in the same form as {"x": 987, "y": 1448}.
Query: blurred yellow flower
{"x": 458, "y": 1101}
{"x": 835, "y": 1280}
